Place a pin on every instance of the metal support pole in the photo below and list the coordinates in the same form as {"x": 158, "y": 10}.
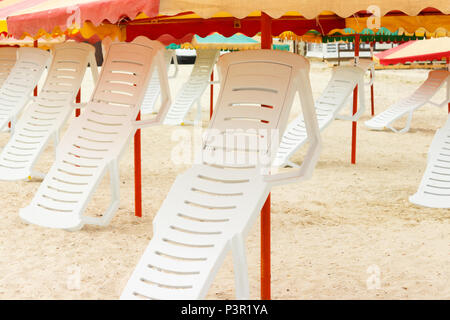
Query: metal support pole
{"x": 35, "y": 92}
{"x": 266, "y": 43}
{"x": 448, "y": 83}
{"x": 211, "y": 95}
{"x": 137, "y": 172}
{"x": 78, "y": 100}
{"x": 372, "y": 99}
{"x": 355, "y": 103}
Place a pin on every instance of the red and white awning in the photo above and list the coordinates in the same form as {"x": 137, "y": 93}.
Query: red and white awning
{"x": 420, "y": 50}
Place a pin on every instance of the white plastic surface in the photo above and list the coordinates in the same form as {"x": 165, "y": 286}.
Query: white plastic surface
{"x": 212, "y": 206}
{"x": 434, "y": 188}
{"x": 193, "y": 89}
{"x": 154, "y": 88}
{"x": 405, "y": 107}
{"x": 44, "y": 118}
{"x": 94, "y": 141}
{"x": 16, "y": 91}
{"x": 8, "y": 58}
{"x": 331, "y": 101}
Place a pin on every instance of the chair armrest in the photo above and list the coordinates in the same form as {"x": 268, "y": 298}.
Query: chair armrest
{"x": 139, "y": 124}
{"x": 80, "y": 105}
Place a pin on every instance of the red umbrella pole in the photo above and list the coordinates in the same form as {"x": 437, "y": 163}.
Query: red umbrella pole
{"x": 211, "y": 96}
{"x": 137, "y": 172}
{"x": 355, "y": 105}
{"x": 35, "y": 44}
{"x": 448, "y": 84}
{"x": 266, "y": 43}
{"x": 78, "y": 100}
{"x": 372, "y": 102}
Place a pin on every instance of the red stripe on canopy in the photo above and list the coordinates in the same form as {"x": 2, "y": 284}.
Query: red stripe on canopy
{"x": 17, "y": 6}
{"x": 93, "y": 11}
{"x": 419, "y": 50}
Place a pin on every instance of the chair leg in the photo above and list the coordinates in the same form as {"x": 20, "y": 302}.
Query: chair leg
{"x": 407, "y": 126}
{"x": 240, "y": 268}
{"x": 198, "y": 118}
{"x": 291, "y": 164}
{"x": 115, "y": 198}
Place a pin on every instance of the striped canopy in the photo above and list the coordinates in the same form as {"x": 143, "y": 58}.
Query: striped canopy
{"x": 420, "y": 50}
{"x": 36, "y": 17}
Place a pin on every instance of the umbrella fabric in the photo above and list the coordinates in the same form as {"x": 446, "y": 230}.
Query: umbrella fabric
{"x": 51, "y": 14}
{"x": 420, "y": 50}
{"x": 34, "y": 17}
{"x": 218, "y": 41}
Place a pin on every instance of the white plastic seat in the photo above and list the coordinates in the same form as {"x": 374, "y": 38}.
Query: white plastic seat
{"x": 154, "y": 89}
{"x": 405, "y": 107}
{"x": 95, "y": 140}
{"x": 45, "y": 117}
{"x": 16, "y": 91}
{"x": 8, "y": 58}
{"x": 211, "y": 207}
{"x": 434, "y": 188}
{"x": 193, "y": 89}
{"x": 330, "y": 102}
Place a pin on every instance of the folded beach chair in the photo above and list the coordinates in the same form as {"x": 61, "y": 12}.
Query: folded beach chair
{"x": 192, "y": 90}
{"x": 8, "y": 58}
{"x": 211, "y": 207}
{"x": 434, "y": 189}
{"x": 153, "y": 90}
{"x": 331, "y": 101}
{"x": 45, "y": 117}
{"x": 16, "y": 91}
{"x": 94, "y": 141}
{"x": 405, "y": 107}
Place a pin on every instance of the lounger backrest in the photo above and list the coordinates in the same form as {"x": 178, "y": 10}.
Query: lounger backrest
{"x": 341, "y": 85}
{"x": 66, "y": 72}
{"x": 8, "y": 58}
{"x": 108, "y": 121}
{"x": 125, "y": 73}
{"x": 25, "y": 74}
{"x": 202, "y": 67}
{"x": 435, "y": 80}
{"x": 256, "y": 94}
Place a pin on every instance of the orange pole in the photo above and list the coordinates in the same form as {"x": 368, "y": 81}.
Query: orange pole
{"x": 371, "y": 96}
{"x": 137, "y": 172}
{"x": 448, "y": 86}
{"x": 266, "y": 43}
{"x": 355, "y": 106}
{"x": 78, "y": 100}
{"x": 372, "y": 99}
{"x": 35, "y": 93}
{"x": 211, "y": 96}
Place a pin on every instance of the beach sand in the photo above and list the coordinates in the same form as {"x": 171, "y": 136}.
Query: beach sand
{"x": 331, "y": 235}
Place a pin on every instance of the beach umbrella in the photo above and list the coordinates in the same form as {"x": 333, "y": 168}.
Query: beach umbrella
{"x": 153, "y": 18}
{"x": 423, "y": 50}
{"x": 217, "y": 41}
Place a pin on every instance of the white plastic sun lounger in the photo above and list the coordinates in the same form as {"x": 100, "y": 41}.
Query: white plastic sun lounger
{"x": 212, "y": 206}
{"x": 193, "y": 89}
{"x": 331, "y": 101}
{"x": 154, "y": 89}
{"x": 94, "y": 141}
{"x": 16, "y": 91}
{"x": 8, "y": 58}
{"x": 405, "y": 107}
{"x": 434, "y": 189}
{"x": 45, "y": 117}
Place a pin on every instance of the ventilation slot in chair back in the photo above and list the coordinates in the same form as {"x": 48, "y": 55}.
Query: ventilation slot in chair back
{"x": 8, "y": 58}
{"x": 249, "y": 112}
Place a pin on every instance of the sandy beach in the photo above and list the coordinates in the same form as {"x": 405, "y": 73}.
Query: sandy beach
{"x": 331, "y": 235}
